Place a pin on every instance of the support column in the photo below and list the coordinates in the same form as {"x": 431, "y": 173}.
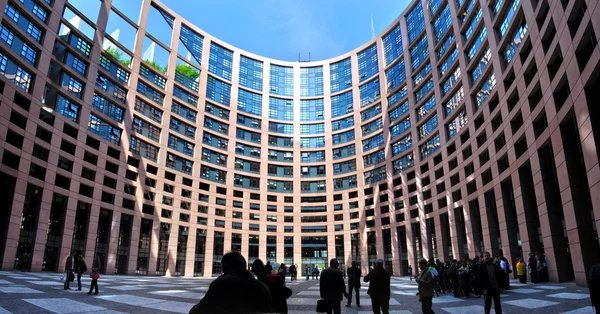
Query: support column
{"x": 190, "y": 253}
{"x": 527, "y": 212}
{"x": 154, "y": 245}
{"x": 442, "y": 241}
{"x": 133, "y": 246}
{"x": 509, "y": 226}
{"x": 489, "y": 220}
{"x": 477, "y": 244}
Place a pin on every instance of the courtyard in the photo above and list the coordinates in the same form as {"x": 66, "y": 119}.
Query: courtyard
{"x": 43, "y": 293}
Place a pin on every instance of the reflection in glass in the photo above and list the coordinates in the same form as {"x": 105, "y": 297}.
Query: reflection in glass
{"x": 78, "y": 23}
{"x": 89, "y": 8}
{"x": 129, "y": 8}
{"x": 116, "y": 52}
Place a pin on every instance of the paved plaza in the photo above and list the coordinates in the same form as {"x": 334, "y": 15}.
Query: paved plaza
{"x": 43, "y": 293}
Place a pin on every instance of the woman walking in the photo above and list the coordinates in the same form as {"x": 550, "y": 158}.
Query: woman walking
{"x": 276, "y": 284}
{"x": 521, "y": 271}
{"x": 95, "y": 275}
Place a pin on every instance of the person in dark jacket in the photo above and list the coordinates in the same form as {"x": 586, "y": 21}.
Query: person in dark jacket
{"x": 80, "y": 268}
{"x": 268, "y": 267}
{"x": 490, "y": 278}
{"x": 25, "y": 261}
{"x": 533, "y": 268}
{"x": 332, "y": 287}
{"x": 379, "y": 289}
{"x": 275, "y": 282}
{"x": 595, "y": 286}
{"x": 354, "y": 275}
{"x": 426, "y": 285}
{"x": 236, "y": 291}
{"x": 69, "y": 269}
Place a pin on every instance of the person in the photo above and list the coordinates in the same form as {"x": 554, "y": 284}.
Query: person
{"x": 80, "y": 268}
{"x": 235, "y": 291}
{"x": 426, "y": 284}
{"x": 594, "y": 284}
{"x": 275, "y": 283}
{"x": 354, "y": 274}
{"x": 521, "y": 270}
{"x": 292, "y": 272}
{"x": 379, "y": 288}
{"x": 69, "y": 270}
{"x": 490, "y": 279}
{"x": 282, "y": 269}
{"x": 25, "y": 261}
{"x": 268, "y": 267}
{"x": 316, "y": 272}
{"x": 332, "y": 287}
{"x": 533, "y": 268}
{"x": 307, "y": 272}
{"x": 95, "y": 274}
{"x": 410, "y": 272}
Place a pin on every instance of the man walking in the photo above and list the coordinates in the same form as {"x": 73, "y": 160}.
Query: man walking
{"x": 25, "y": 261}
{"x": 332, "y": 287}
{"x": 379, "y": 289}
{"x": 490, "y": 278}
{"x": 292, "y": 272}
{"x": 268, "y": 267}
{"x": 354, "y": 275}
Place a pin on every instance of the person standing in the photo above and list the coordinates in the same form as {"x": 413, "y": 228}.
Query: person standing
{"x": 521, "y": 271}
{"x": 69, "y": 269}
{"x": 275, "y": 282}
{"x": 25, "y": 261}
{"x": 307, "y": 272}
{"x": 410, "y": 272}
{"x": 95, "y": 275}
{"x": 80, "y": 268}
{"x": 332, "y": 287}
{"x": 379, "y": 289}
{"x": 490, "y": 279}
{"x": 354, "y": 274}
{"x": 533, "y": 268}
{"x": 236, "y": 291}
{"x": 268, "y": 267}
{"x": 316, "y": 272}
{"x": 292, "y": 272}
{"x": 426, "y": 284}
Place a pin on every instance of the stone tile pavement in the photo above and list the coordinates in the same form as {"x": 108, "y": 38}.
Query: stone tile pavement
{"x": 43, "y": 293}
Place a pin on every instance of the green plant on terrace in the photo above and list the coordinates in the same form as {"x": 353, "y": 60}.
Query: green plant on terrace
{"x": 188, "y": 71}
{"x": 118, "y": 55}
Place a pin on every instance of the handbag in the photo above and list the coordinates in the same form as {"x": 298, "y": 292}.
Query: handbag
{"x": 71, "y": 277}
{"x": 321, "y": 306}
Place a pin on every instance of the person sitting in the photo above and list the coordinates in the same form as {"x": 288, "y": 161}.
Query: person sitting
{"x": 235, "y": 291}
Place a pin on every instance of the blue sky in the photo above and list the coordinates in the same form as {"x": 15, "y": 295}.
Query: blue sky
{"x": 281, "y": 29}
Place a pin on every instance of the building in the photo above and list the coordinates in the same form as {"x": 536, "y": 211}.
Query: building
{"x": 466, "y": 125}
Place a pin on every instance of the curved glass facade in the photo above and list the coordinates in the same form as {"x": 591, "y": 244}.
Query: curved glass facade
{"x": 179, "y": 147}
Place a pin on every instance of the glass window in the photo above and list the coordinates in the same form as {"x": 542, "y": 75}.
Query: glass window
{"x": 457, "y": 124}
{"x": 454, "y": 101}
{"x": 396, "y": 75}
{"x": 281, "y": 109}
{"x": 415, "y": 23}
{"x": 403, "y": 163}
{"x": 486, "y": 89}
{"x": 118, "y": 53}
{"x": 424, "y": 90}
{"x": 104, "y": 130}
{"x": 120, "y": 30}
{"x": 309, "y": 129}
{"x": 402, "y": 145}
{"x": 472, "y": 50}
{"x": 311, "y": 81}
{"x": 392, "y": 45}
{"x": 220, "y": 61}
{"x": 340, "y": 75}
{"x": 441, "y": 24}
{"x": 430, "y": 147}
{"x": 473, "y": 24}
{"x": 372, "y": 142}
{"x": 400, "y": 128}
{"x": 342, "y": 104}
{"x": 367, "y": 63}
{"x": 508, "y": 17}
{"x": 190, "y": 45}
{"x": 187, "y": 75}
{"x": 281, "y": 80}
{"x": 369, "y": 92}
{"x": 479, "y": 67}
{"x": 251, "y": 73}
{"x": 426, "y": 108}
{"x": 420, "y": 76}
{"x": 312, "y": 110}
{"x": 343, "y": 123}
{"x": 397, "y": 96}
{"x": 511, "y": 49}
{"x": 218, "y": 91}
{"x": 419, "y": 53}
{"x": 370, "y": 113}
{"x": 428, "y": 127}
{"x": 249, "y": 102}
{"x": 399, "y": 112}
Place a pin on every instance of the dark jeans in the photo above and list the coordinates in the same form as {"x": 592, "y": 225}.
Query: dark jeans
{"x": 67, "y": 279}
{"x": 94, "y": 285}
{"x": 380, "y": 306}
{"x": 523, "y": 278}
{"x": 357, "y": 289}
{"x": 495, "y": 294}
{"x": 333, "y": 306}
{"x": 426, "y": 303}
{"x": 79, "y": 281}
